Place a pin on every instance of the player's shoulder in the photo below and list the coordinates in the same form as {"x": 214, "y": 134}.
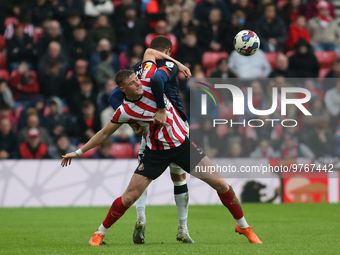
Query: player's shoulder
{"x": 166, "y": 63}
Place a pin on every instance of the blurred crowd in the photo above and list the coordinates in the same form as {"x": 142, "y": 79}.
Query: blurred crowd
{"x": 58, "y": 59}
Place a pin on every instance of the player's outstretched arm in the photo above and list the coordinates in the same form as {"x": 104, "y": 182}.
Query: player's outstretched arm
{"x": 153, "y": 55}
{"x": 97, "y": 139}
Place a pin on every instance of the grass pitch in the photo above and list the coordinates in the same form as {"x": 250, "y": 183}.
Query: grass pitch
{"x": 284, "y": 229}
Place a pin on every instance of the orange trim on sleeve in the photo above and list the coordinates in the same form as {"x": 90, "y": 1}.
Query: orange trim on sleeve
{"x": 164, "y": 69}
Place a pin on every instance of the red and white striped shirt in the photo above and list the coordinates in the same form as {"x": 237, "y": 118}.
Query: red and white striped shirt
{"x": 171, "y": 135}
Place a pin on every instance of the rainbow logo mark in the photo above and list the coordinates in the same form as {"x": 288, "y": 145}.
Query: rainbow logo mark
{"x": 209, "y": 93}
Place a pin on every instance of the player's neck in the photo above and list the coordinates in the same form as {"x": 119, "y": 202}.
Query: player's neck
{"x": 133, "y": 98}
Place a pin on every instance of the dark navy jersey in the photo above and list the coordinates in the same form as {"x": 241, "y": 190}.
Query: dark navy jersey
{"x": 170, "y": 87}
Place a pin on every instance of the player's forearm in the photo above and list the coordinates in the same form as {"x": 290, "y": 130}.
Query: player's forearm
{"x": 97, "y": 139}
{"x": 160, "y": 55}
{"x": 157, "y": 88}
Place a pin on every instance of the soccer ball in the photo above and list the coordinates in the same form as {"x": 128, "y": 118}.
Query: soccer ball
{"x": 246, "y": 42}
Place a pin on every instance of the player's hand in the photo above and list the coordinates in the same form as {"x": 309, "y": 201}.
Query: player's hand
{"x": 139, "y": 130}
{"x": 160, "y": 117}
{"x": 68, "y": 157}
{"x": 185, "y": 70}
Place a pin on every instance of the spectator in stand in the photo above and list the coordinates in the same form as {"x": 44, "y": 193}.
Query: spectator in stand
{"x": 292, "y": 10}
{"x": 247, "y": 7}
{"x": 102, "y": 29}
{"x": 103, "y": 96}
{"x": 52, "y": 34}
{"x": 124, "y": 134}
{"x": 24, "y": 83}
{"x": 282, "y": 67}
{"x": 235, "y": 150}
{"x": 272, "y": 30}
{"x": 312, "y": 9}
{"x": 75, "y": 80}
{"x": 34, "y": 107}
{"x": 292, "y": 149}
{"x": 41, "y": 11}
{"x": 52, "y": 79}
{"x": 57, "y": 121}
{"x": 62, "y": 8}
{"x": 206, "y": 138}
{"x": 213, "y": 34}
{"x": 255, "y": 66}
{"x": 105, "y": 70}
{"x": 222, "y": 70}
{"x": 280, "y": 82}
{"x": 33, "y": 123}
{"x": 87, "y": 93}
{"x": 73, "y": 21}
{"x": 324, "y": 30}
{"x": 184, "y": 26}
{"x": 19, "y": 48}
{"x": 174, "y": 9}
{"x": 155, "y": 10}
{"x": 79, "y": 45}
{"x": 9, "y": 140}
{"x": 130, "y": 29}
{"x": 88, "y": 122}
{"x": 189, "y": 53}
{"x": 297, "y": 30}
{"x": 62, "y": 146}
{"x": 238, "y": 22}
{"x": 319, "y": 113}
{"x": 320, "y": 140}
{"x": 314, "y": 88}
{"x": 161, "y": 29}
{"x": 119, "y": 14}
{"x": 259, "y": 9}
{"x": 264, "y": 150}
{"x": 104, "y": 151}
{"x": 260, "y": 100}
{"x": 23, "y": 19}
{"x": 138, "y": 51}
{"x": 54, "y": 53}
{"x": 6, "y": 96}
{"x": 203, "y": 9}
{"x": 304, "y": 62}
{"x": 33, "y": 147}
{"x": 333, "y": 73}
{"x": 332, "y": 100}
{"x": 94, "y": 8}
{"x": 7, "y": 113}
{"x": 103, "y": 45}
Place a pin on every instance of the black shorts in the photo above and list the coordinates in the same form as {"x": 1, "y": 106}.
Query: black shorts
{"x": 155, "y": 162}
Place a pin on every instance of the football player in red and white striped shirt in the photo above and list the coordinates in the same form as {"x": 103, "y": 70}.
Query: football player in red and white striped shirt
{"x": 165, "y": 144}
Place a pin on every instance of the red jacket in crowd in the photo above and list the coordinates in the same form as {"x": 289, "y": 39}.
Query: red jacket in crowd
{"x": 18, "y": 85}
{"x": 27, "y": 153}
{"x": 295, "y": 33}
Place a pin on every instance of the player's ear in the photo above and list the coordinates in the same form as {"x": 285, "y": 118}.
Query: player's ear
{"x": 121, "y": 88}
{"x": 168, "y": 52}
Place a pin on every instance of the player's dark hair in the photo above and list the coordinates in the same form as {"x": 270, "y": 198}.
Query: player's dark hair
{"x": 122, "y": 75}
{"x": 161, "y": 43}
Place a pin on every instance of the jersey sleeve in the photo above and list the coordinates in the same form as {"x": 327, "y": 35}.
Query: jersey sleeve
{"x": 119, "y": 116}
{"x": 170, "y": 68}
{"x": 149, "y": 69}
{"x": 116, "y": 98}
